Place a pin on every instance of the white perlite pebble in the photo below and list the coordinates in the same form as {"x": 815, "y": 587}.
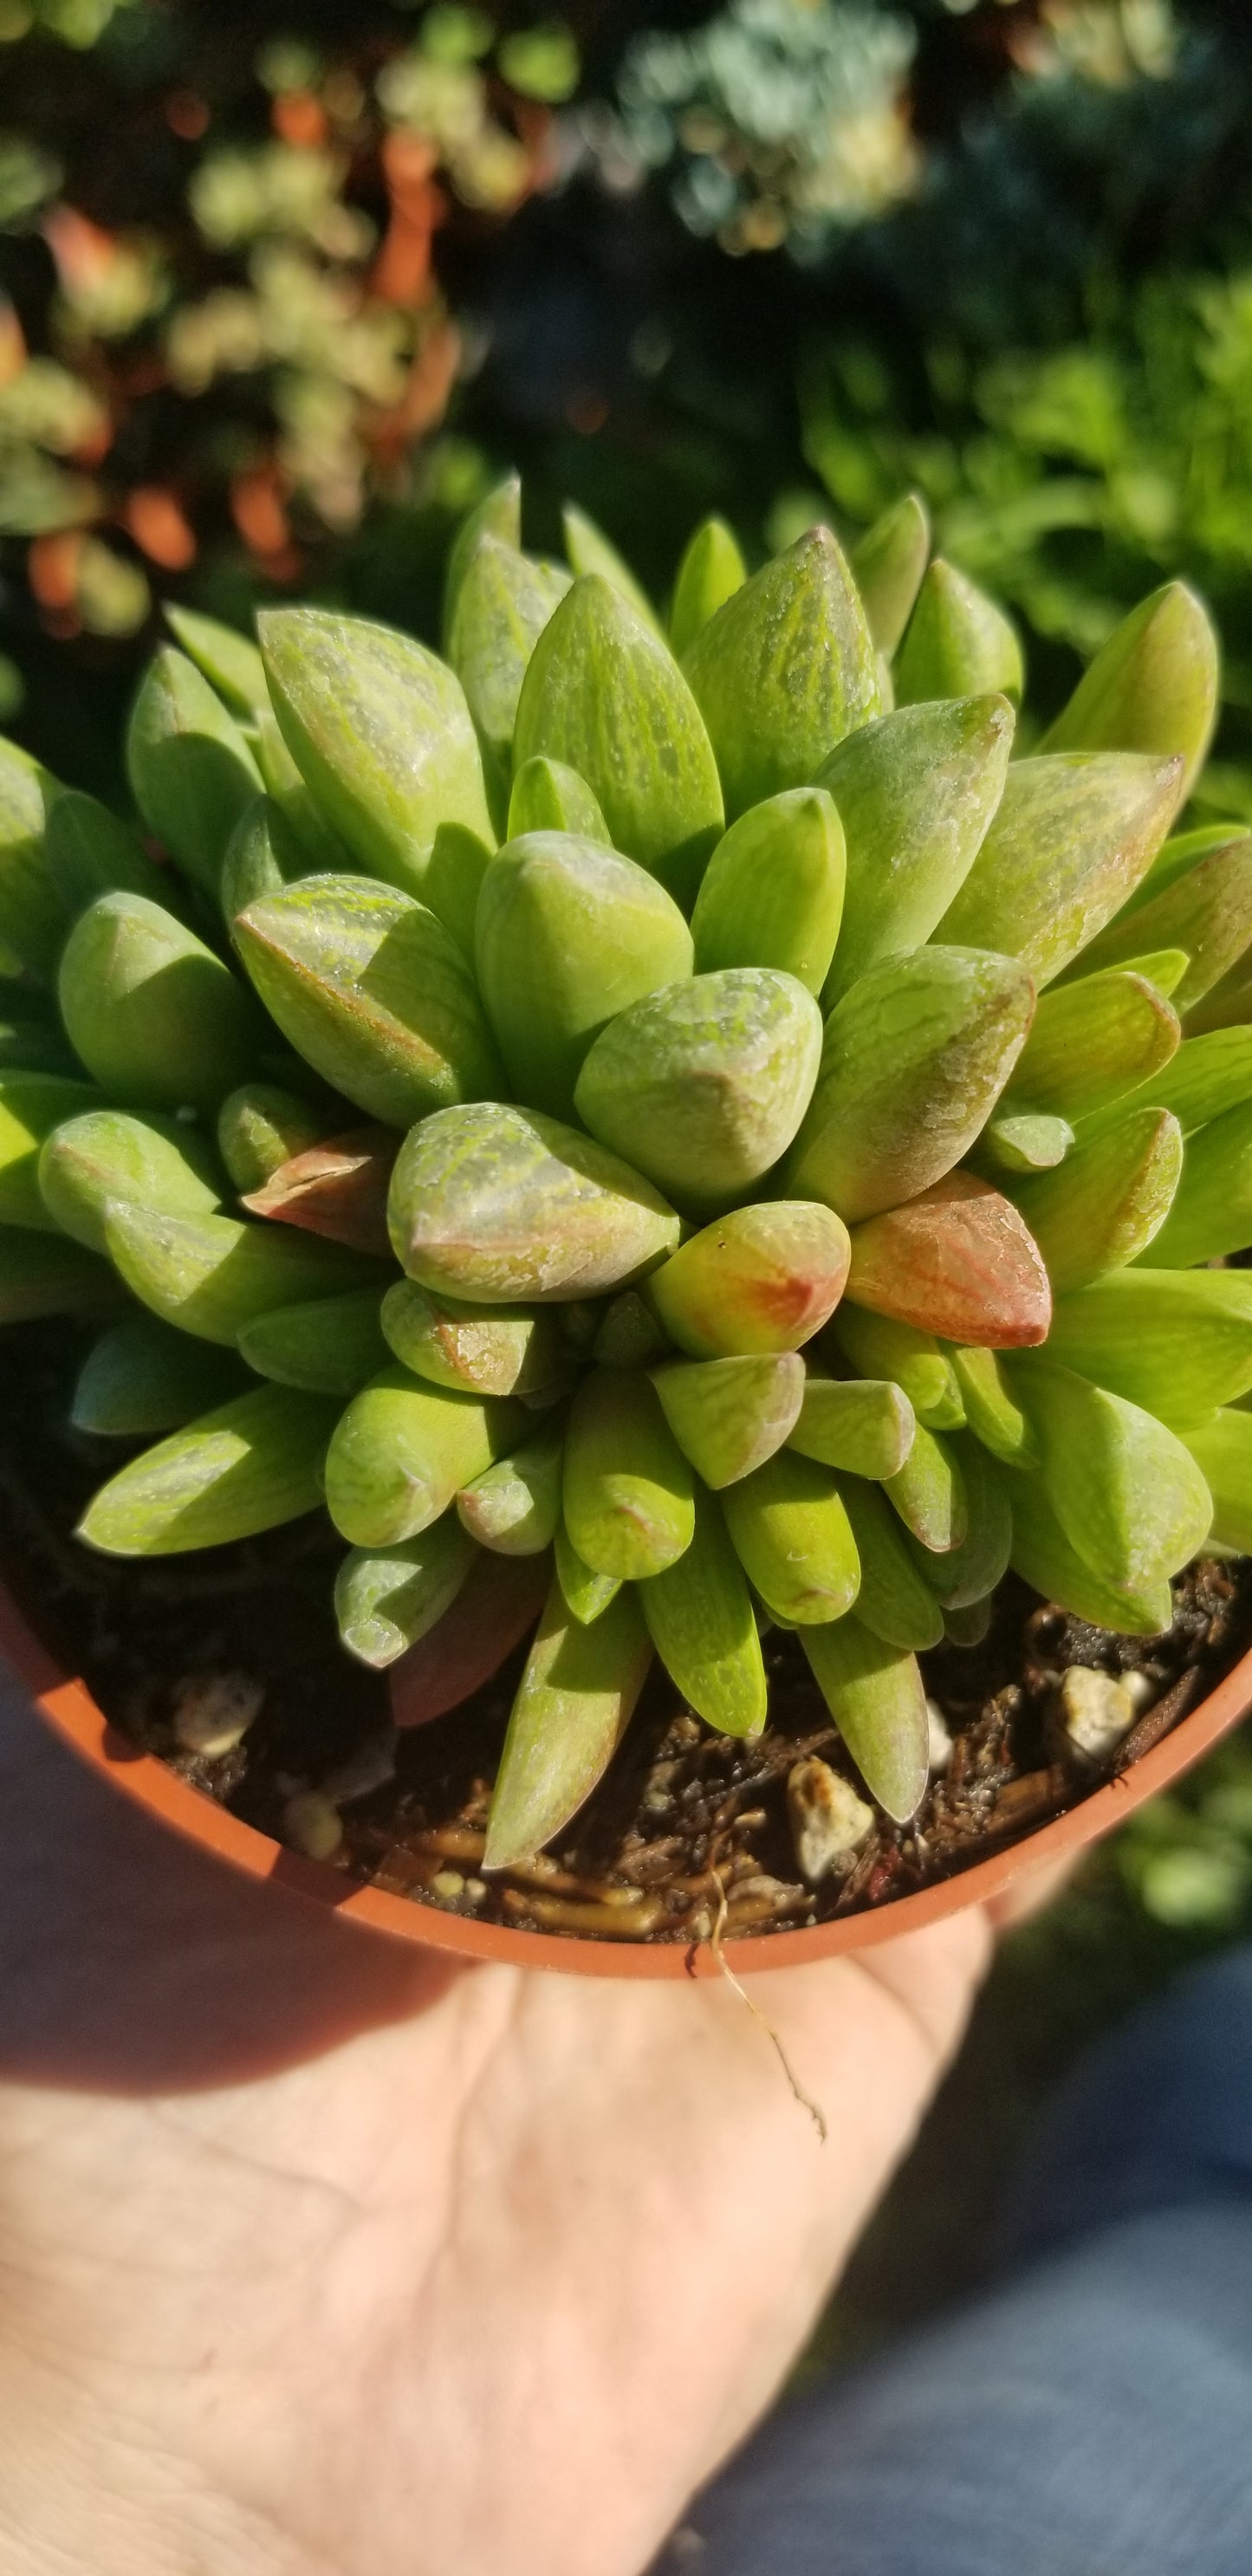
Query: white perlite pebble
{"x": 829, "y": 1823}
{"x": 1096, "y": 1712}
{"x": 213, "y": 1711}
{"x": 939, "y": 1736}
{"x": 311, "y": 1825}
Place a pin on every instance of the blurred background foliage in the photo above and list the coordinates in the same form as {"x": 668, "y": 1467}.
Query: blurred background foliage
{"x": 283, "y": 283}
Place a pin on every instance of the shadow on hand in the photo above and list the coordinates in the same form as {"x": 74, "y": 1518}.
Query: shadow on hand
{"x": 131, "y": 1962}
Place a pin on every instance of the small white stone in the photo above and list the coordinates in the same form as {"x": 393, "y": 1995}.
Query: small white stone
{"x": 448, "y": 1882}
{"x": 213, "y": 1711}
{"x": 1096, "y": 1712}
{"x": 311, "y": 1824}
{"x": 475, "y": 1890}
{"x": 829, "y": 1823}
{"x": 939, "y": 1738}
{"x": 1141, "y": 1689}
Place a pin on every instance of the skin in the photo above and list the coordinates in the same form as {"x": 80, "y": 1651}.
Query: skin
{"x": 322, "y": 2257}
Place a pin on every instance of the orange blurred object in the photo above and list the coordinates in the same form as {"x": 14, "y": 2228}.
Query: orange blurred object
{"x": 298, "y": 117}
{"x": 424, "y": 401}
{"x": 12, "y": 343}
{"x": 402, "y": 273}
{"x": 257, "y": 509}
{"x": 83, "y": 253}
{"x": 52, "y": 569}
{"x": 159, "y": 525}
{"x": 187, "y": 116}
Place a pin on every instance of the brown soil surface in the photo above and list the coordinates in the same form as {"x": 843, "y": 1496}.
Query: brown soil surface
{"x": 687, "y": 1834}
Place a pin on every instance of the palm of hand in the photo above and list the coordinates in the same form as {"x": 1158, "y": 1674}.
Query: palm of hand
{"x": 322, "y": 2256}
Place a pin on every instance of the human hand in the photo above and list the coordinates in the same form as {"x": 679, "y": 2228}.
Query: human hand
{"x": 324, "y": 2257}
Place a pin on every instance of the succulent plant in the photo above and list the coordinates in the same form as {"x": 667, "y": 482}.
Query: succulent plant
{"x": 657, "y": 1147}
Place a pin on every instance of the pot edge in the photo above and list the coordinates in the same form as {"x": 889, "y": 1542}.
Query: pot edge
{"x": 66, "y": 1704}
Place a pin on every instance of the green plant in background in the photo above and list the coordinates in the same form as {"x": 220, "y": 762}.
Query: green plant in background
{"x": 262, "y": 348}
{"x": 773, "y": 1184}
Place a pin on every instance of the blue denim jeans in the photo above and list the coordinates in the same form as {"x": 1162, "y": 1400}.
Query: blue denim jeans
{"x": 1091, "y": 2413}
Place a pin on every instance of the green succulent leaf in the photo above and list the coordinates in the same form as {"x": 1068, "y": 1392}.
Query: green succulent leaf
{"x": 928, "y": 1492}
{"x": 492, "y": 1350}
{"x": 1222, "y": 1450}
{"x": 728, "y": 1416}
{"x": 702, "y": 1086}
{"x": 1177, "y": 1342}
{"x": 327, "y": 1345}
{"x": 772, "y": 894}
{"x": 1022, "y": 1143}
{"x": 157, "y": 1019}
{"x": 103, "y": 1155}
{"x": 1207, "y": 912}
{"x": 247, "y": 1466}
{"x": 574, "y": 1703}
{"x": 190, "y": 768}
{"x": 959, "y": 643}
{"x": 260, "y": 1127}
{"x": 89, "y": 852}
{"x": 43, "y": 1274}
{"x": 629, "y": 1335}
{"x": 496, "y": 1607}
{"x": 586, "y": 1595}
{"x": 1094, "y": 1043}
{"x": 1207, "y": 1076}
{"x": 590, "y": 551}
{"x": 991, "y": 1409}
{"x": 497, "y": 1204}
{"x": 386, "y": 1598}
{"x": 379, "y": 730}
{"x": 402, "y": 1452}
{"x": 33, "y": 920}
{"x": 912, "y": 1062}
{"x": 503, "y": 605}
{"x": 499, "y": 515}
{"x": 211, "y": 1275}
{"x": 888, "y": 564}
{"x": 1153, "y": 687}
{"x": 514, "y": 1507}
{"x": 1108, "y": 1201}
{"x": 549, "y": 796}
{"x": 568, "y": 935}
{"x": 32, "y": 1107}
{"x": 863, "y": 1426}
{"x": 916, "y": 794}
{"x": 373, "y": 992}
{"x": 793, "y": 1539}
{"x": 262, "y": 856}
{"x": 711, "y": 571}
{"x": 1127, "y": 1495}
{"x": 1211, "y": 1211}
{"x": 761, "y": 1279}
{"x": 230, "y": 661}
{"x": 315, "y": 844}
{"x": 878, "y": 1347}
{"x": 143, "y": 1377}
{"x": 604, "y": 695}
{"x": 1073, "y": 835}
{"x": 970, "y": 1572}
{"x": 700, "y": 1618}
{"x": 628, "y": 1491}
{"x": 783, "y": 671}
{"x": 895, "y": 1602}
{"x": 1044, "y": 1558}
{"x": 876, "y": 1698}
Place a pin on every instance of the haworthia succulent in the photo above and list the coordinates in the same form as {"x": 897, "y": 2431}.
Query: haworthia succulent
{"x": 959, "y": 644}
{"x": 916, "y": 793}
{"x": 702, "y": 1085}
{"x": 498, "y": 514}
{"x": 143, "y": 1377}
{"x": 1153, "y": 687}
{"x": 1074, "y": 833}
{"x": 503, "y": 605}
{"x": 888, "y": 564}
{"x": 783, "y": 671}
{"x": 402, "y": 1451}
{"x": 604, "y": 695}
{"x": 1043, "y": 1556}
{"x": 211, "y": 1275}
{"x": 928, "y": 1492}
{"x": 260, "y": 1126}
{"x": 699, "y": 1616}
{"x": 32, "y": 1107}
{"x": 576, "y": 1698}
{"x": 103, "y": 1155}
{"x": 1094, "y": 1042}
{"x": 33, "y": 920}
{"x": 230, "y": 661}
{"x": 773, "y": 891}
{"x": 1125, "y": 1491}
{"x": 894, "y": 1600}
{"x": 711, "y": 571}
{"x": 247, "y": 1466}
{"x": 875, "y": 1695}
{"x": 762, "y": 1279}
{"x": 386, "y": 1598}
{"x": 190, "y": 768}
{"x": 549, "y": 796}
{"x": 628, "y": 1491}
{"x": 43, "y": 1274}
{"x": 879, "y": 1347}
{"x": 590, "y": 551}
{"x": 793, "y": 1539}
{"x": 959, "y": 1261}
{"x": 157, "y": 1019}
{"x": 567, "y": 935}
{"x": 913, "y": 1060}
{"x": 328, "y": 1345}
{"x": 374, "y": 993}
{"x": 492, "y": 1350}
{"x": 90, "y": 852}
{"x": 728, "y": 1416}
{"x": 1207, "y": 912}
{"x": 865, "y": 1426}
{"x": 514, "y": 1507}
{"x": 1211, "y": 1211}
{"x": 497, "y": 1204}
{"x": 379, "y": 729}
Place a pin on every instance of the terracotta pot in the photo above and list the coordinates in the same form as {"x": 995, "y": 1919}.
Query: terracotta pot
{"x": 69, "y": 1707}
